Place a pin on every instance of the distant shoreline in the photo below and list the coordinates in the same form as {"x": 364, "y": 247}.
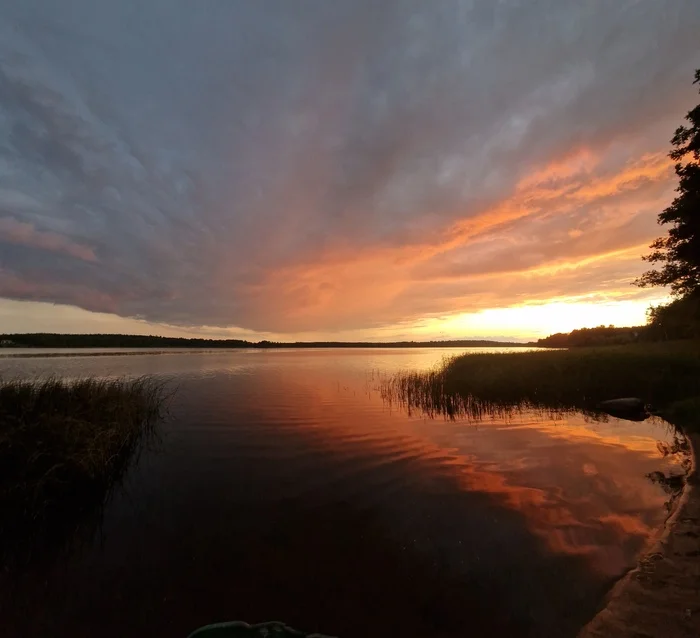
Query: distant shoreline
{"x": 41, "y": 353}
{"x": 103, "y": 341}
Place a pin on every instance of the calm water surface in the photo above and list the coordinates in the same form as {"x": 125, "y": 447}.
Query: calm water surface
{"x": 284, "y": 489}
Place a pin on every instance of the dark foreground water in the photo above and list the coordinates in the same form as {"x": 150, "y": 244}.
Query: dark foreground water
{"x": 284, "y": 489}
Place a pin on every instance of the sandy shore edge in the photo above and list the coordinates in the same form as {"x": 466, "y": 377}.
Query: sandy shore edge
{"x": 661, "y": 596}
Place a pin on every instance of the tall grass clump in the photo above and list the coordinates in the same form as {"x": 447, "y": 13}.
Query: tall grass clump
{"x": 429, "y": 392}
{"x": 65, "y": 443}
{"x": 475, "y": 385}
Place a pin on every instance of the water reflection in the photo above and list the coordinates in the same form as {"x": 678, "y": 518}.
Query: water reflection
{"x": 286, "y": 488}
{"x": 578, "y": 477}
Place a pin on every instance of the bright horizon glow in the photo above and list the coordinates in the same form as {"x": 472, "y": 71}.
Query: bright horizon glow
{"x": 543, "y": 319}
{"x": 518, "y": 323}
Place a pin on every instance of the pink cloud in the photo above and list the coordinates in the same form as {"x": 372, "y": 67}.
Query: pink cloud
{"x": 26, "y": 234}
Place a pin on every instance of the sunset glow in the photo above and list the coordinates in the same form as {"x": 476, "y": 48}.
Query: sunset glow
{"x": 539, "y": 319}
{"x": 339, "y": 176}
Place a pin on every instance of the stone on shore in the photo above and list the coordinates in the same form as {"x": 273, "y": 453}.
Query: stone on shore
{"x": 631, "y": 404}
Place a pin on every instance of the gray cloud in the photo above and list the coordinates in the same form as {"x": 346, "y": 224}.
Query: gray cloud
{"x": 163, "y": 159}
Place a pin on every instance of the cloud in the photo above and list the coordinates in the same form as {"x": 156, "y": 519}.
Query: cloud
{"x": 25, "y": 234}
{"x": 332, "y": 165}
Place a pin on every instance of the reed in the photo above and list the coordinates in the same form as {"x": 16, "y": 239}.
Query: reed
{"x": 65, "y": 443}
{"x": 666, "y": 376}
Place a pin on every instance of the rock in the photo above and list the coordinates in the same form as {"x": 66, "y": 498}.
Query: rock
{"x": 630, "y": 408}
{"x": 631, "y": 404}
{"x": 238, "y": 629}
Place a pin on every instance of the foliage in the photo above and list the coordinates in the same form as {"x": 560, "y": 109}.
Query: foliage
{"x": 679, "y": 252}
{"x": 678, "y": 320}
{"x": 594, "y": 337}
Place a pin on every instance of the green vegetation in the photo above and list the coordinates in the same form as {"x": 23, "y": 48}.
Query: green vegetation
{"x": 63, "y": 446}
{"x": 664, "y": 375}
{"x": 678, "y": 320}
{"x": 595, "y": 337}
{"x": 679, "y": 251}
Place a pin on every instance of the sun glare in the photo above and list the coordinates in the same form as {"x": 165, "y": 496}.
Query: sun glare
{"x": 539, "y": 320}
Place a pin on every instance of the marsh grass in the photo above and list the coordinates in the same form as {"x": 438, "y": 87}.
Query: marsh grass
{"x": 64, "y": 445}
{"x": 666, "y": 376}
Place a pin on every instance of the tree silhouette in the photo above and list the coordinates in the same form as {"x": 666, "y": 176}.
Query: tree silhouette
{"x": 679, "y": 252}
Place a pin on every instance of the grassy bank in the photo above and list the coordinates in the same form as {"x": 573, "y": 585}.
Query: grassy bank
{"x": 664, "y": 375}
{"x": 63, "y": 445}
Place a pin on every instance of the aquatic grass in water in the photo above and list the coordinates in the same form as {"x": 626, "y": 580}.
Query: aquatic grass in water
{"x": 427, "y": 392}
{"x": 435, "y": 393}
{"x": 479, "y": 386}
{"x": 664, "y": 375}
{"x": 64, "y": 444}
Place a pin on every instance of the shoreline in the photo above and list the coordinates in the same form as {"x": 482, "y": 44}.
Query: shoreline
{"x": 661, "y": 595}
{"x": 52, "y": 353}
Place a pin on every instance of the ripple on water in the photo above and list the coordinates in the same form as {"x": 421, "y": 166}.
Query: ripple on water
{"x": 284, "y": 487}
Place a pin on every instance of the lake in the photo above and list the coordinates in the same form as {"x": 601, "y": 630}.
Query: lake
{"x": 282, "y": 487}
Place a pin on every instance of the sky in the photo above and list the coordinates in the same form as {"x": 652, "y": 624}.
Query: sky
{"x": 336, "y": 170}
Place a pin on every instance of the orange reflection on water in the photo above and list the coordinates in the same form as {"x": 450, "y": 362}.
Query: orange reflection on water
{"x": 287, "y": 488}
{"x": 580, "y": 486}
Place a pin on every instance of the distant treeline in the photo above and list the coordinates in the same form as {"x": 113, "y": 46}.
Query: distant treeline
{"x": 675, "y": 321}
{"x": 601, "y": 336}
{"x": 48, "y": 340}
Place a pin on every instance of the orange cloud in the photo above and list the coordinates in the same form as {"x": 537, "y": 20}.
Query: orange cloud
{"x": 563, "y": 185}
{"x": 528, "y": 236}
{"x": 573, "y": 227}
{"x": 651, "y": 167}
